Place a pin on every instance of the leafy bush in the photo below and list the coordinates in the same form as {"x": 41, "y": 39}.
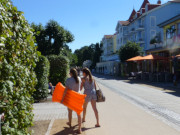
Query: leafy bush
{"x": 42, "y": 73}
{"x": 18, "y": 58}
{"x": 129, "y": 50}
{"x": 59, "y": 67}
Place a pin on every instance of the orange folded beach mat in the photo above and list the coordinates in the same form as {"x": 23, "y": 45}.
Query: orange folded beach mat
{"x": 72, "y": 99}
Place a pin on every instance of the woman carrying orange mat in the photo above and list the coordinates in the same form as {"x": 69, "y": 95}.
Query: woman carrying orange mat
{"x": 73, "y": 83}
{"x": 90, "y": 90}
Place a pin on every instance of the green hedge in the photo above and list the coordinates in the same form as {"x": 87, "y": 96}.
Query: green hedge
{"x": 59, "y": 67}
{"x": 42, "y": 73}
{"x": 18, "y": 58}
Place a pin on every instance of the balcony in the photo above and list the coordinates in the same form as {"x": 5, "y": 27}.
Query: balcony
{"x": 132, "y": 31}
{"x": 140, "y": 28}
{"x": 125, "y": 34}
{"x": 140, "y": 41}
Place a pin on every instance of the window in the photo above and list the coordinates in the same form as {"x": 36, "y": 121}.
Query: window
{"x": 153, "y": 21}
{"x": 153, "y": 34}
{"x": 121, "y": 40}
{"x": 142, "y": 22}
{"x": 121, "y": 29}
{"x": 170, "y": 32}
{"x": 135, "y": 37}
{"x": 178, "y": 32}
{"x": 143, "y": 35}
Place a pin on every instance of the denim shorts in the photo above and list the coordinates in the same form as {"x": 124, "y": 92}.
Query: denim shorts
{"x": 90, "y": 97}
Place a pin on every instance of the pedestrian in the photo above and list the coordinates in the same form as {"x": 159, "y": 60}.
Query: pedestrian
{"x": 90, "y": 90}
{"x": 51, "y": 88}
{"x": 73, "y": 83}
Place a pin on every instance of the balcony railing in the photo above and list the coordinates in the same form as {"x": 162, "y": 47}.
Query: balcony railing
{"x": 140, "y": 40}
{"x": 132, "y": 30}
{"x": 140, "y": 28}
{"x": 125, "y": 33}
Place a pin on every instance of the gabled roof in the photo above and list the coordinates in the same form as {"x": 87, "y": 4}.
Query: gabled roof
{"x": 144, "y": 4}
{"x": 115, "y": 34}
{"x": 143, "y": 7}
{"x": 143, "y": 10}
{"x": 132, "y": 15}
{"x": 152, "y": 6}
{"x": 124, "y": 23}
{"x": 108, "y": 36}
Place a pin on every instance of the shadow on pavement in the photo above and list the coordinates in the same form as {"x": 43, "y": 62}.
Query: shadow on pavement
{"x": 68, "y": 131}
{"x": 72, "y": 130}
{"x": 84, "y": 129}
{"x": 166, "y": 87}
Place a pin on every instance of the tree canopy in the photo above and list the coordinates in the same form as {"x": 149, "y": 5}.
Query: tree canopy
{"x": 129, "y": 50}
{"x": 66, "y": 51}
{"x": 92, "y": 52}
{"x": 51, "y": 38}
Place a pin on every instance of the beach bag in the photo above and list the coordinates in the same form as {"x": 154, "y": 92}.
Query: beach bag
{"x": 99, "y": 94}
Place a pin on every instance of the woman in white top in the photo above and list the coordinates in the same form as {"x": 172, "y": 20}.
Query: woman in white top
{"x": 73, "y": 83}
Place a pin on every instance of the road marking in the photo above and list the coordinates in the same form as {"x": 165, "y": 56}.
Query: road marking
{"x": 50, "y": 127}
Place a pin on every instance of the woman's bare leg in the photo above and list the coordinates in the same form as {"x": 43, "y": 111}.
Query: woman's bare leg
{"x": 93, "y": 103}
{"x": 84, "y": 111}
{"x": 69, "y": 117}
{"x": 79, "y": 123}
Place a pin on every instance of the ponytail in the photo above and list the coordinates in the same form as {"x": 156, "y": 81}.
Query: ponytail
{"x": 74, "y": 74}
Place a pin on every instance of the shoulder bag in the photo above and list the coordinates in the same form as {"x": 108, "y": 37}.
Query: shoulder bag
{"x": 99, "y": 94}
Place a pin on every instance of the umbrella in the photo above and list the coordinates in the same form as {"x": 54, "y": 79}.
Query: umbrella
{"x": 135, "y": 58}
{"x": 153, "y": 57}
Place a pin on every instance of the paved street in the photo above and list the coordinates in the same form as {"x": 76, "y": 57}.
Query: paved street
{"x": 130, "y": 109}
{"x": 161, "y": 102}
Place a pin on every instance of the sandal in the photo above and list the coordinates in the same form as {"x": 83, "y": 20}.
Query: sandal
{"x": 69, "y": 124}
{"x": 79, "y": 132}
{"x": 97, "y": 125}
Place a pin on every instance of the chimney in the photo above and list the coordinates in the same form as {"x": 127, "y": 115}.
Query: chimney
{"x": 159, "y": 2}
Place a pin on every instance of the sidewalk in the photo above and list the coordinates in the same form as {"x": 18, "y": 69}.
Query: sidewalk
{"x": 117, "y": 117}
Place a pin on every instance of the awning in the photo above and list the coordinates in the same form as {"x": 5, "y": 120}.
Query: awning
{"x": 135, "y": 58}
{"x": 153, "y": 57}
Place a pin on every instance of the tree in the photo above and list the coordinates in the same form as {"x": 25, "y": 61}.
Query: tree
{"x": 66, "y": 51}
{"x": 59, "y": 69}
{"x": 51, "y": 38}
{"x": 42, "y": 73}
{"x": 91, "y": 52}
{"x": 84, "y": 53}
{"x": 129, "y": 50}
{"x": 97, "y": 54}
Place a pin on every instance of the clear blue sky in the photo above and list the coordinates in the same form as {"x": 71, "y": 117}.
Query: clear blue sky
{"x": 88, "y": 20}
